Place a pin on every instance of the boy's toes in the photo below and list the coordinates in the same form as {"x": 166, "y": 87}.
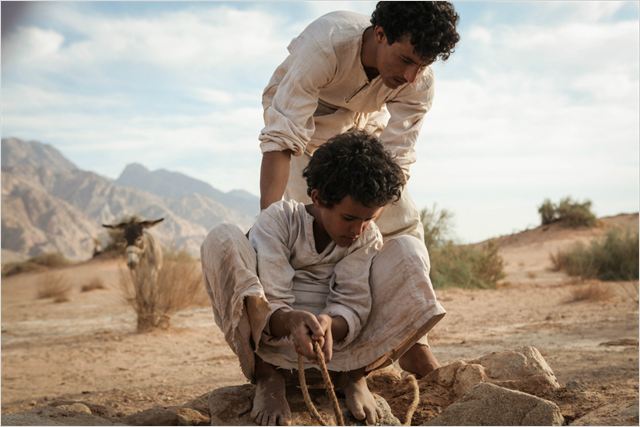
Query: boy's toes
{"x": 371, "y": 414}
{"x": 357, "y": 411}
{"x": 284, "y": 420}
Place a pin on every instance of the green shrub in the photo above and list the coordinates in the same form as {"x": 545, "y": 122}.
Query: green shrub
{"x": 437, "y": 226}
{"x": 567, "y": 212}
{"x": 613, "y": 257}
{"x": 466, "y": 266}
{"x": 452, "y": 265}
{"x": 547, "y": 212}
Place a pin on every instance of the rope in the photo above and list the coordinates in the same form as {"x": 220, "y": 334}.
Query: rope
{"x": 332, "y": 395}
{"x": 327, "y": 384}
{"x": 416, "y": 400}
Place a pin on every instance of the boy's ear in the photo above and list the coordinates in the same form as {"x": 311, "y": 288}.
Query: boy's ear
{"x": 314, "y": 197}
{"x": 379, "y": 34}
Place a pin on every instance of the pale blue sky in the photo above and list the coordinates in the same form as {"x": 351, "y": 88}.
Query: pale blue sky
{"x": 540, "y": 99}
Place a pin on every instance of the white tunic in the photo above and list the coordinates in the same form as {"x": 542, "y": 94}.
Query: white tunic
{"x": 295, "y": 276}
{"x": 321, "y": 90}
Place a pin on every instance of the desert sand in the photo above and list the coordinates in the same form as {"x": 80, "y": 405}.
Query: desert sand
{"x": 87, "y": 349}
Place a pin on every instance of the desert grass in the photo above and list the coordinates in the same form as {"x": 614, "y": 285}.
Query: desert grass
{"x": 452, "y": 265}
{"x": 178, "y": 286}
{"x": 613, "y": 257}
{"x": 567, "y": 212}
{"x": 593, "y": 292}
{"x": 55, "y": 286}
{"x": 38, "y": 263}
{"x": 466, "y": 266}
{"x": 93, "y": 285}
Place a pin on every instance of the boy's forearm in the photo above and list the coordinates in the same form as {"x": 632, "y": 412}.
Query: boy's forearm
{"x": 279, "y": 324}
{"x": 339, "y": 328}
{"x": 274, "y": 174}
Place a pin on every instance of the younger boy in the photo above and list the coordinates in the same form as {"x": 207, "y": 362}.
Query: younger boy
{"x": 303, "y": 275}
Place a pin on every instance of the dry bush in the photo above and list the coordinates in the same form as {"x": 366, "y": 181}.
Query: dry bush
{"x": 593, "y": 292}
{"x": 179, "y": 286}
{"x": 567, "y": 212}
{"x": 452, "y": 265}
{"x": 37, "y": 263}
{"x": 612, "y": 257}
{"x": 53, "y": 285}
{"x": 94, "y": 284}
{"x": 465, "y": 266}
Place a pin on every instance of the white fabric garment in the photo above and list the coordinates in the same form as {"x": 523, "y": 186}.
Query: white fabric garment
{"x": 321, "y": 90}
{"x": 403, "y": 304}
{"x": 295, "y": 276}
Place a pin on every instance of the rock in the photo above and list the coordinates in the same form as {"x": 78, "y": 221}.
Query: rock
{"x": 232, "y": 406}
{"x": 524, "y": 369}
{"x": 172, "y": 416}
{"x": 617, "y": 413}
{"x": 156, "y": 416}
{"x": 75, "y": 408}
{"x": 191, "y": 417}
{"x": 54, "y": 416}
{"x": 489, "y": 404}
{"x": 459, "y": 376}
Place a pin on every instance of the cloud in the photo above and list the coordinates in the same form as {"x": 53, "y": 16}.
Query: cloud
{"x": 528, "y": 112}
{"x": 31, "y": 45}
{"x": 545, "y": 105}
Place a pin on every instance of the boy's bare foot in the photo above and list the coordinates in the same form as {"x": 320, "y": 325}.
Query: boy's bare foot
{"x": 270, "y": 405}
{"x": 358, "y": 398}
{"x": 419, "y": 360}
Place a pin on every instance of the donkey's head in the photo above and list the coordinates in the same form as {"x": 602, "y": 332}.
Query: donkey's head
{"x": 132, "y": 231}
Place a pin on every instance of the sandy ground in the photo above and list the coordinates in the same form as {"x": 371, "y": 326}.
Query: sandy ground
{"x": 87, "y": 349}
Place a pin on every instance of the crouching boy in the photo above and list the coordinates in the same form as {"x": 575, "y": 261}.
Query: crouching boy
{"x": 303, "y": 275}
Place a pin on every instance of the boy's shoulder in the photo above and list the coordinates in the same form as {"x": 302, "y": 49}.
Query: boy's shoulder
{"x": 283, "y": 209}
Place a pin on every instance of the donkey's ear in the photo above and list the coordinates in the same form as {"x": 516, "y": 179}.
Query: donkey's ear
{"x": 116, "y": 226}
{"x": 147, "y": 224}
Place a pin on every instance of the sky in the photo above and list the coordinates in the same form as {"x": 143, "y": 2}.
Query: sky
{"x": 540, "y": 99}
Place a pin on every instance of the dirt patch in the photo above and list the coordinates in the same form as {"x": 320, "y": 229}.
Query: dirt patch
{"x": 87, "y": 350}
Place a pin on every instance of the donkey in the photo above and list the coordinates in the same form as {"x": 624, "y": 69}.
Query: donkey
{"x": 143, "y": 252}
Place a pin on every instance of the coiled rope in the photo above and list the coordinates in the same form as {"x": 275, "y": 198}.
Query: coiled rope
{"x": 332, "y": 395}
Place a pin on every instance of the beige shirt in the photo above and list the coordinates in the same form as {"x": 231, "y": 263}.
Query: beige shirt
{"x": 295, "y": 276}
{"x": 321, "y": 89}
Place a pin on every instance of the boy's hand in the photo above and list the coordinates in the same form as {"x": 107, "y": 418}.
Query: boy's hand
{"x": 304, "y": 328}
{"x": 325, "y": 323}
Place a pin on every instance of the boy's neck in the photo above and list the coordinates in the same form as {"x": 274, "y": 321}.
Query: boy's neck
{"x": 320, "y": 236}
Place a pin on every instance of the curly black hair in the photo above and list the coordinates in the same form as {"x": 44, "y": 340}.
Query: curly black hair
{"x": 354, "y": 164}
{"x": 430, "y": 24}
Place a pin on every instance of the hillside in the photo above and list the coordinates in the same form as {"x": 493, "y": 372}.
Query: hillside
{"x": 48, "y": 204}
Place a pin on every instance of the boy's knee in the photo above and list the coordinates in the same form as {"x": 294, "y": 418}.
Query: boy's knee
{"x": 400, "y": 253}
{"x": 220, "y": 236}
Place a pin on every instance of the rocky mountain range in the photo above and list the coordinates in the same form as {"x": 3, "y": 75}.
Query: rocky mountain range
{"x": 50, "y": 205}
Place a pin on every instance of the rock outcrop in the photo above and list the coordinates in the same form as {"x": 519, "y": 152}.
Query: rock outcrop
{"x": 489, "y": 405}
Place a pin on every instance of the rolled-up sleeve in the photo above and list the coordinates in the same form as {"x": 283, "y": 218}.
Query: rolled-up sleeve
{"x": 294, "y": 91}
{"x": 350, "y": 292}
{"x": 407, "y": 111}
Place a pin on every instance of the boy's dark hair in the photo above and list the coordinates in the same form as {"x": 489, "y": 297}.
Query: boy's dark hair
{"x": 431, "y": 25}
{"x": 354, "y": 164}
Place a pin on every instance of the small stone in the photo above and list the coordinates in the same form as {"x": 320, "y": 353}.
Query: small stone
{"x": 75, "y": 408}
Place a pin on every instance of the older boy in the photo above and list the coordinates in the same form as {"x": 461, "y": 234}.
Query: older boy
{"x": 303, "y": 275}
{"x": 346, "y": 71}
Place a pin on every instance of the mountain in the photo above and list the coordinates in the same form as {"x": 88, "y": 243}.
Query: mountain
{"x": 165, "y": 183}
{"x": 48, "y": 204}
